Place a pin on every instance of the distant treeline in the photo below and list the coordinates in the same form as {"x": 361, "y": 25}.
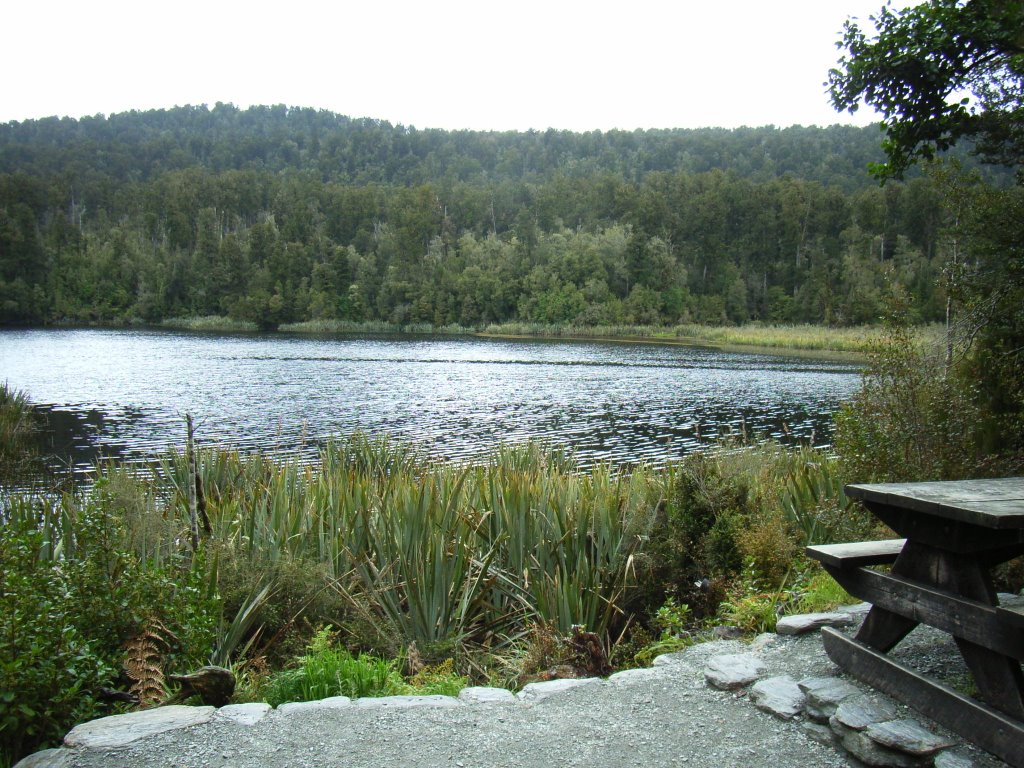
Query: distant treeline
{"x": 277, "y": 215}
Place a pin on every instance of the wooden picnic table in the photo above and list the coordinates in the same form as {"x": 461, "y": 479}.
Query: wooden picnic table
{"x": 954, "y": 533}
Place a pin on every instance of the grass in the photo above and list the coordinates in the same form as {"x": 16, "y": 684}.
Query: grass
{"x": 19, "y": 426}
{"x": 859, "y": 340}
{"x": 370, "y": 326}
{"x": 210, "y": 323}
{"x": 433, "y": 553}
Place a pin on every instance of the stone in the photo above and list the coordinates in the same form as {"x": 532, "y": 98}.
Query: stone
{"x": 332, "y": 702}
{"x": 819, "y": 733}
{"x": 861, "y": 711}
{"x": 480, "y": 694}
{"x": 245, "y": 714}
{"x": 762, "y": 641}
{"x": 733, "y": 670}
{"x": 636, "y": 675}
{"x": 406, "y": 702}
{"x": 870, "y": 752}
{"x": 118, "y": 730}
{"x": 857, "y": 609}
{"x": 669, "y": 659}
{"x": 809, "y": 622}
{"x": 726, "y": 632}
{"x": 907, "y": 736}
{"x": 534, "y": 692}
{"x": 47, "y": 758}
{"x": 1010, "y": 600}
{"x": 824, "y": 695}
{"x": 779, "y": 696}
{"x": 946, "y": 759}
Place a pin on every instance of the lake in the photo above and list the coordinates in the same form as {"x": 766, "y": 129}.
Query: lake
{"x": 125, "y": 392}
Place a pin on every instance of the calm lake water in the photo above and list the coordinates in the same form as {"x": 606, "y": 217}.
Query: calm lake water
{"x": 125, "y": 392}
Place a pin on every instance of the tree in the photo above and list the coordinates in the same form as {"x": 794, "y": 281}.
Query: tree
{"x": 939, "y": 72}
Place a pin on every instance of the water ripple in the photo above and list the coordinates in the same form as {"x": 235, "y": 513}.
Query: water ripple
{"x": 125, "y": 392}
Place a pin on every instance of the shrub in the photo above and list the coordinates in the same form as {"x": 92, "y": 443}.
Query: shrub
{"x": 437, "y": 680}
{"x": 73, "y": 596}
{"x": 49, "y": 669}
{"x": 913, "y": 418}
{"x": 694, "y": 540}
{"x": 326, "y": 670}
{"x": 18, "y": 428}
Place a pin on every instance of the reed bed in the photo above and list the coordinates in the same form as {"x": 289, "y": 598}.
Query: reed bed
{"x": 859, "y": 340}
{"x": 217, "y": 323}
{"x": 371, "y": 326}
{"x": 435, "y": 553}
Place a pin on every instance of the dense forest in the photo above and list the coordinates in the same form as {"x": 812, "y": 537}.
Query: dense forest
{"x": 277, "y": 215}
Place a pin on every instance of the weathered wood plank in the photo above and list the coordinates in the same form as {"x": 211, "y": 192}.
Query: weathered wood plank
{"x": 970, "y": 620}
{"x": 944, "y": 533}
{"x": 1014, "y": 616}
{"x": 990, "y": 729}
{"x": 857, "y": 554}
{"x": 995, "y": 503}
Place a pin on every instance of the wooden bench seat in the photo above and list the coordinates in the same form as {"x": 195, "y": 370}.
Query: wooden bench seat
{"x": 858, "y": 553}
{"x": 1012, "y": 614}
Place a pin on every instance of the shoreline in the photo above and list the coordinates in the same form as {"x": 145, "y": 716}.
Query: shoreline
{"x": 851, "y": 344}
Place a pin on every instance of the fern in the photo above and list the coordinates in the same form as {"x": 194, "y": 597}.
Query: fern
{"x": 143, "y": 662}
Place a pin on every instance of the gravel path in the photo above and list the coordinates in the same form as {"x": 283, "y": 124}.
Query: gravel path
{"x": 663, "y": 716}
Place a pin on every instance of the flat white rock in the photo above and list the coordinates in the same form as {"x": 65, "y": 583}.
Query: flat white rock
{"x": 481, "y": 694}
{"x": 47, "y": 758}
{"x": 733, "y": 670}
{"x": 245, "y": 714}
{"x": 533, "y": 692}
{"x": 117, "y": 730}
{"x": 780, "y": 696}
{"x": 808, "y": 622}
{"x": 333, "y": 702}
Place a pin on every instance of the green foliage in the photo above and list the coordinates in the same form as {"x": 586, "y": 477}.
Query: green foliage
{"x": 68, "y": 564}
{"x": 326, "y": 670}
{"x": 366, "y": 228}
{"x": 923, "y": 56}
{"x": 914, "y": 418}
{"x": 754, "y": 605}
{"x": 819, "y": 593}
{"x": 815, "y": 504}
{"x": 18, "y": 427}
{"x": 436, "y": 680}
{"x": 50, "y": 664}
{"x": 915, "y": 71}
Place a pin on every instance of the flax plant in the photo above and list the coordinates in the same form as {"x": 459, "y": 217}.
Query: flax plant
{"x": 435, "y": 553}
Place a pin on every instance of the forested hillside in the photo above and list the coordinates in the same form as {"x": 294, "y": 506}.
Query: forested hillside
{"x": 277, "y": 215}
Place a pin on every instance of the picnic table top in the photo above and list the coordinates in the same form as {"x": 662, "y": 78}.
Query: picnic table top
{"x": 996, "y": 503}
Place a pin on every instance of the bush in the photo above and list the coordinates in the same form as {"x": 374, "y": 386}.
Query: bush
{"x": 326, "y": 670}
{"x": 73, "y": 595}
{"x": 694, "y": 540}
{"x": 913, "y": 418}
{"x": 49, "y": 669}
{"x": 19, "y": 457}
{"x": 299, "y": 601}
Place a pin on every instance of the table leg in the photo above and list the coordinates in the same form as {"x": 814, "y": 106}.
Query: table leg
{"x": 998, "y": 677}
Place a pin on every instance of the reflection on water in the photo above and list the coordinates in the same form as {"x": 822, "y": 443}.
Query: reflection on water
{"x": 126, "y": 392}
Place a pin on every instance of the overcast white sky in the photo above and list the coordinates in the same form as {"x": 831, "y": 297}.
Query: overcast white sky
{"x": 450, "y": 64}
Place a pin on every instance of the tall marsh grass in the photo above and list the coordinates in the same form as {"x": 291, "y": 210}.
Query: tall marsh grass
{"x": 857, "y": 340}
{"x": 18, "y": 430}
{"x": 217, "y": 323}
{"x": 370, "y": 326}
{"x": 438, "y": 554}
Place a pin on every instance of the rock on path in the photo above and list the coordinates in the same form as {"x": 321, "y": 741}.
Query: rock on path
{"x": 663, "y": 716}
